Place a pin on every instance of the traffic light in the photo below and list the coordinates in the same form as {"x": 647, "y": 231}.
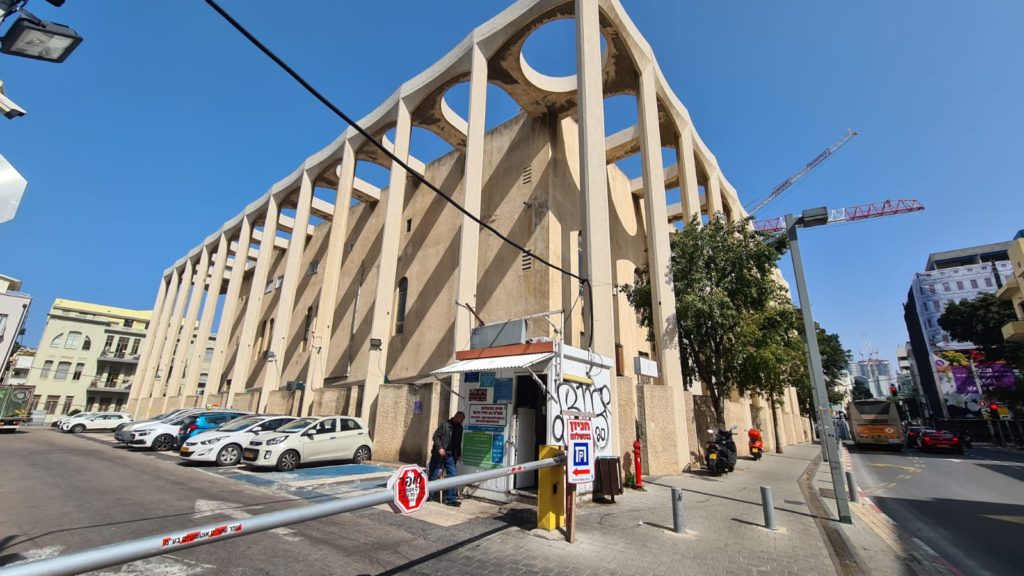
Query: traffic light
{"x": 892, "y": 391}
{"x": 993, "y": 407}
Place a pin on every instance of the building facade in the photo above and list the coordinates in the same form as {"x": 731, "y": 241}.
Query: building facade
{"x": 334, "y": 295}
{"x": 14, "y": 306}
{"x": 1013, "y": 289}
{"x": 876, "y": 372}
{"x": 951, "y": 276}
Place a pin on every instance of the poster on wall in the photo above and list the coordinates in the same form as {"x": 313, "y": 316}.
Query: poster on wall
{"x": 487, "y": 379}
{"x": 502, "y": 390}
{"x": 481, "y": 395}
{"x": 493, "y": 417}
{"x": 483, "y": 449}
{"x": 958, "y": 385}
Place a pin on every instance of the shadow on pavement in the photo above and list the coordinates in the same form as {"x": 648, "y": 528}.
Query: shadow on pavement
{"x": 742, "y": 501}
{"x": 1015, "y": 471}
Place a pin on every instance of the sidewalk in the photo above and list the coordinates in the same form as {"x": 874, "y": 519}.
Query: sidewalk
{"x": 723, "y": 518}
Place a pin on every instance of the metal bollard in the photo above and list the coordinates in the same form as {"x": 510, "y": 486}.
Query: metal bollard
{"x": 852, "y": 485}
{"x": 677, "y": 511}
{"x": 769, "y": 508}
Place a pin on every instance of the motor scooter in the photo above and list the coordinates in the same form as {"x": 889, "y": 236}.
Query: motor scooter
{"x": 755, "y": 443}
{"x": 721, "y": 451}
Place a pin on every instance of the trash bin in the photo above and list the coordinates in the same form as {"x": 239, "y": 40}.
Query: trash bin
{"x": 608, "y": 481}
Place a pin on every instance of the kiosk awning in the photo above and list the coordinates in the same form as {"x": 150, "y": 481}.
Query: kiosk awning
{"x": 497, "y": 363}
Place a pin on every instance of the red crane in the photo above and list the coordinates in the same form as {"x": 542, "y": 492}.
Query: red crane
{"x": 785, "y": 184}
{"x": 851, "y": 214}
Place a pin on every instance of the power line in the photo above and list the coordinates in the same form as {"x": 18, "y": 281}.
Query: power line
{"x": 380, "y": 146}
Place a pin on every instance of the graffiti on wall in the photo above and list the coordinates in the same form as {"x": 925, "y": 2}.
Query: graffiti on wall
{"x": 588, "y": 398}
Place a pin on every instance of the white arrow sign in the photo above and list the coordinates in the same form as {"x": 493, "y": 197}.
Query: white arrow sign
{"x": 12, "y": 186}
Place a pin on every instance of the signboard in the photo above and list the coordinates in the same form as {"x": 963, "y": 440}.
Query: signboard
{"x": 490, "y": 416}
{"x": 503, "y": 390}
{"x": 410, "y": 486}
{"x": 645, "y": 367}
{"x": 481, "y": 395}
{"x": 580, "y": 450}
{"x": 483, "y": 449}
{"x": 487, "y": 379}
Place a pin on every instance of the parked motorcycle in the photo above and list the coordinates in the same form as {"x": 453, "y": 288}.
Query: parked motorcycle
{"x": 721, "y": 451}
{"x": 755, "y": 443}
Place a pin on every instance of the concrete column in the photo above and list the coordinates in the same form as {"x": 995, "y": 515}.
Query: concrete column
{"x": 599, "y": 319}
{"x": 254, "y": 304}
{"x": 387, "y": 270}
{"x": 286, "y": 299}
{"x": 182, "y": 366}
{"x": 140, "y": 386}
{"x": 713, "y": 195}
{"x": 195, "y": 361}
{"x": 227, "y": 315}
{"x": 686, "y": 164}
{"x": 145, "y": 396}
{"x": 171, "y": 336}
{"x": 469, "y": 233}
{"x": 328, "y": 299}
{"x": 659, "y": 254}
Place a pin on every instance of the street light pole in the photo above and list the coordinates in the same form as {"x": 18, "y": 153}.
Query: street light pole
{"x": 828, "y": 435}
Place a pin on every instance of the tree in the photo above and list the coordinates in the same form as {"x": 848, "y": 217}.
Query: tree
{"x": 724, "y": 278}
{"x": 860, "y": 390}
{"x": 980, "y": 321}
{"x": 834, "y": 359}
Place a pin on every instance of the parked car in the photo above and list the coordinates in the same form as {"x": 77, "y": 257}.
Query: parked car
{"x": 124, "y": 434}
{"x": 201, "y": 422}
{"x": 163, "y": 435}
{"x": 101, "y": 421}
{"x": 80, "y": 416}
{"x": 224, "y": 445}
{"x": 914, "y": 435}
{"x": 310, "y": 440}
{"x": 941, "y": 440}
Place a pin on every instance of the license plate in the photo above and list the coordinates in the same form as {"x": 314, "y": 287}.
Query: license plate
{"x": 250, "y": 454}
{"x": 713, "y": 456}
{"x": 186, "y": 451}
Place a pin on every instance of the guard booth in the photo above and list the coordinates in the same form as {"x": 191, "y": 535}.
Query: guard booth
{"x": 517, "y": 398}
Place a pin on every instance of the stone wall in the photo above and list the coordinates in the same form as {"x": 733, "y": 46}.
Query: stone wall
{"x": 192, "y": 402}
{"x": 407, "y": 415}
{"x": 663, "y": 421}
{"x": 282, "y": 402}
{"x": 627, "y": 418}
{"x": 216, "y": 400}
{"x": 246, "y": 401}
{"x": 337, "y": 400}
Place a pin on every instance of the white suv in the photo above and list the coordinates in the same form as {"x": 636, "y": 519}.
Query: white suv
{"x": 65, "y": 419}
{"x": 163, "y": 435}
{"x": 98, "y": 421}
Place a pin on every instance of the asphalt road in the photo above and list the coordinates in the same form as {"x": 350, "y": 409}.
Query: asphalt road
{"x": 61, "y": 493}
{"x": 969, "y": 509}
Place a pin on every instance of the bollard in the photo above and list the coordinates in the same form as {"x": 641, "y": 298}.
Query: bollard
{"x": 769, "y": 508}
{"x": 852, "y": 485}
{"x": 677, "y": 511}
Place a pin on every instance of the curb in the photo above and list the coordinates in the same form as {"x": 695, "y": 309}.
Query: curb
{"x": 919, "y": 556}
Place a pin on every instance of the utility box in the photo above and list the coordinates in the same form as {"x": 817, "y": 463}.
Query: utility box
{"x": 608, "y": 483}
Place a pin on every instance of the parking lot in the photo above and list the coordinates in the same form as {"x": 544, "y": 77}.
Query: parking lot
{"x": 65, "y": 492}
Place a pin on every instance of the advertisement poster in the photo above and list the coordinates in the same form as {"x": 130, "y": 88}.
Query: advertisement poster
{"x": 959, "y": 388}
{"x": 483, "y": 449}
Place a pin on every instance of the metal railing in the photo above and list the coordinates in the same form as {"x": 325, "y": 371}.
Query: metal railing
{"x": 118, "y": 355}
{"x": 122, "y": 552}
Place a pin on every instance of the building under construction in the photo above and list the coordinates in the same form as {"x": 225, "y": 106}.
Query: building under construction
{"x": 334, "y": 296}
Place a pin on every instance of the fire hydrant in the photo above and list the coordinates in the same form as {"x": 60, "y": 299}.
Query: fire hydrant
{"x": 637, "y": 467}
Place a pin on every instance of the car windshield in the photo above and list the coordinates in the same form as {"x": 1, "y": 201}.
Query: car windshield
{"x": 179, "y": 420}
{"x": 240, "y": 424}
{"x": 297, "y": 426}
{"x": 164, "y": 415}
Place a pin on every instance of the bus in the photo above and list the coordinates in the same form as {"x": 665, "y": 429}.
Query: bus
{"x": 875, "y": 423}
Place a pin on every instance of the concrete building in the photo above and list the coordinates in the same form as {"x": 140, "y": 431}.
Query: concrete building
{"x": 1013, "y": 289}
{"x": 334, "y": 295}
{"x": 876, "y": 372}
{"x": 951, "y": 276}
{"x": 20, "y": 366}
{"x": 14, "y": 307}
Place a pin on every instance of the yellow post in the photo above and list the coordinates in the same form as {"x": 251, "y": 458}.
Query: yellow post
{"x": 550, "y": 492}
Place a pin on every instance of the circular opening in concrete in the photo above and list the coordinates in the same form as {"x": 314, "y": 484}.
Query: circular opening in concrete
{"x": 548, "y": 56}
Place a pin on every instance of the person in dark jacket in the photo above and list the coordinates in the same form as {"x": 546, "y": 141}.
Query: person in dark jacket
{"x": 446, "y": 451}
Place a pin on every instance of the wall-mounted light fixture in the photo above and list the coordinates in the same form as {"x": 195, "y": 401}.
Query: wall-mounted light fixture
{"x": 375, "y": 343}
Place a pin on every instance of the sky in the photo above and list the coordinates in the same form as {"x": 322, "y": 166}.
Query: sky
{"x": 165, "y": 123}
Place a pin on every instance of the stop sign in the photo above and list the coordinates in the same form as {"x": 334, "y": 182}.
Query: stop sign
{"x": 410, "y": 486}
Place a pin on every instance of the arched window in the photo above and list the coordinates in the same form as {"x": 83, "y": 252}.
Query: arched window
{"x": 47, "y": 366}
{"x": 57, "y": 340}
{"x": 62, "y": 371}
{"x": 73, "y": 340}
{"x": 403, "y": 295}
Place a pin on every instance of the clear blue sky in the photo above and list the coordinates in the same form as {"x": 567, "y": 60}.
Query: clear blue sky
{"x": 165, "y": 123}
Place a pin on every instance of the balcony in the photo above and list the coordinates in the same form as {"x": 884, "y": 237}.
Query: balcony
{"x": 1014, "y": 331}
{"x": 119, "y": 356}
{"x": 113, "y": 386}
{"x": 1009, "y": 291}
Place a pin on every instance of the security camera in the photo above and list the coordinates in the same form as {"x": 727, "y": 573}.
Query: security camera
{"x": 8, "y": 107}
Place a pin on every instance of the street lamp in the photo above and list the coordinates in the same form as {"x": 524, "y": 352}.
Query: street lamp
{"x": 807, "y": 219}
{"x": 31, "y": 37}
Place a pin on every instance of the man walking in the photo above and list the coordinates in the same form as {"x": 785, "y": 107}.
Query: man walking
{"x": 446, "y": 451}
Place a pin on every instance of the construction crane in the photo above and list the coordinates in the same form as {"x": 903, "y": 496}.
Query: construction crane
{"x": 788, "y": 182}
{"x": 851, "y": 214}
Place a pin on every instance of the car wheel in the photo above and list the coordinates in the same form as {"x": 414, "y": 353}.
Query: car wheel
{"x": 229, "y": 455}
{"x": 288, "y": 461}
{"x": 362, "y": 454}
{"x": 163, "y": 443}
{"x": 78, "y": 428}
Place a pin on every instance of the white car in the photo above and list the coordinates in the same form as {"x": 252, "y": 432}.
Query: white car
{"x": 163, "y": 435}
{"x": 124, "y": 435}
{"x": 223, "y": 445}
{"x": 315, "y": 439}
{"x": 99, "y": 421}
{"x": 64, "y": 419}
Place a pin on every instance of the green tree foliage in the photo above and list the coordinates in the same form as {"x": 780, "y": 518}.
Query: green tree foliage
{"x": 980, "y": 321}
{"x": 724, "y": 278}
{"x": 860, "y": 390}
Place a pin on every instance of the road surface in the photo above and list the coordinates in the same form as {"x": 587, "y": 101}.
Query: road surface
{"x": 969, "y": 509}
